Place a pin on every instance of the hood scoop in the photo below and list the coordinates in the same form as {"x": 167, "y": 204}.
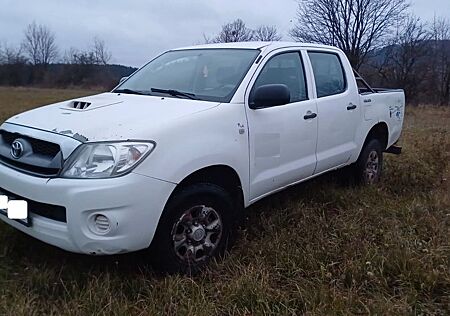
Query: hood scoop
{"x": 88, "y": 103}
{"x": 79, "y": 105}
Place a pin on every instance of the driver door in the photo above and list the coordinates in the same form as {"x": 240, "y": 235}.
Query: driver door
{"x": 282, "y": 138}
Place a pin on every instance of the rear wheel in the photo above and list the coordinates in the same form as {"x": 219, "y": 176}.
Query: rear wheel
{"x": 196, "y": 226}
{"x": 369, "y": 166}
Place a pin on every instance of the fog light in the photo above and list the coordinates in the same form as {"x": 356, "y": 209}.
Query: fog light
{"x": 102, "y": 224}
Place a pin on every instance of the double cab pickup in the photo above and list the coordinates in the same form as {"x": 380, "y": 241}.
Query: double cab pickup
{"x": 169, "y": 159}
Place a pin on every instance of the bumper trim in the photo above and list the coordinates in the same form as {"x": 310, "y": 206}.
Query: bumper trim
{"x": 50, "y": 211}
{"x": 28, "y": 223}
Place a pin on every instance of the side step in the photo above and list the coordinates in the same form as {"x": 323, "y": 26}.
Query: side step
{"x": 396, "y": 150}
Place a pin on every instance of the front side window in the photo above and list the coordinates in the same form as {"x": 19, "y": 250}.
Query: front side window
{"x": 203, "y": 74}
{"x": 287, "y": 69}
{"x": 328, "y": 73}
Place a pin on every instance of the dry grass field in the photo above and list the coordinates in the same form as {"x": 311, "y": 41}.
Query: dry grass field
{"x": 323, "y": 247}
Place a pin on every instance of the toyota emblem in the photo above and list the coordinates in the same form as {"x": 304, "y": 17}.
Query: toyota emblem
{"x": 16, "y": 149}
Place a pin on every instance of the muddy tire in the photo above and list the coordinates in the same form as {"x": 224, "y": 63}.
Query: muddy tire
{"x": 368, "y": 168}
{"x": 196, "y": 226}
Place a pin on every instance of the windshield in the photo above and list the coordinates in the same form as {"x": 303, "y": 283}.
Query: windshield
{"x": 202, "y": 74}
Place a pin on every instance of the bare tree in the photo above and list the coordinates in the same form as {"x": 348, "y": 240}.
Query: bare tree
{"x": 10, "y": 55}
{"x": 97, "y": 54}
{"x": 101, "y": 53}
{"x": 402, "y": 61}
{"x": 440, "y": 66}
{"x": 355, "y": 26}
{"x": 69, "y": 56}
{"x": 39, "y": 44}
{"x": 266, "y": 33}
{"x": 77, "y": 57}
{"x": 235, "y": 31}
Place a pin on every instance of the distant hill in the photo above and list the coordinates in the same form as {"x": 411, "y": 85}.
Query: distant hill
{"x": 377, "y": 56}
{"x": 423, "y": 74}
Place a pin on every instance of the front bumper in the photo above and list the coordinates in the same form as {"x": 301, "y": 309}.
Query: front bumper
{"x": 133, "y": 203}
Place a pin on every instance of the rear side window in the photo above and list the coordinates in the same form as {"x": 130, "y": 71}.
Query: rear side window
{"x": 287, "y": 69}
{"x": 328, "y": 73}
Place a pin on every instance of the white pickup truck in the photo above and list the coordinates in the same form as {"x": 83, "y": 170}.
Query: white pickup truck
{"x": 170, "y": 158}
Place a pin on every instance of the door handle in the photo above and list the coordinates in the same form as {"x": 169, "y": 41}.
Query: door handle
{"x": 351, "y": 106}
{"x": 309, "y": 115}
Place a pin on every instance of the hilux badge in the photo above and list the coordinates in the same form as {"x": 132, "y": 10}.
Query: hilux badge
{"x": 16, "y": 149}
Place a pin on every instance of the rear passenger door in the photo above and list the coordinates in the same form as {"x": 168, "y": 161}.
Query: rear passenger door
{"x": 338, "y": 109}
{"x": 282, "y": 138}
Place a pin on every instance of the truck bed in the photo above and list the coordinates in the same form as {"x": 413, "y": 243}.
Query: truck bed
{"x": 385, "y": 105}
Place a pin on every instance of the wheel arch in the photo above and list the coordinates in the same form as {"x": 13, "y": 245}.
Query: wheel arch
{"x": 379, "y": 131}
{"x": 221, "y": 175}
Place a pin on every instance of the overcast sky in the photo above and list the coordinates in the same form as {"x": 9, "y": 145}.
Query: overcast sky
{"x": 136, "y": 30}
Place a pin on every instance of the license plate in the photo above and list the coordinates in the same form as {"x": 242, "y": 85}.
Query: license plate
{"x": 15, "y": 209}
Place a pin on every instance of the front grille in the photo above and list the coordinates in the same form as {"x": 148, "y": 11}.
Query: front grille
{"x": 50, "y": 211}
{"x": 39, "y": 146}
{"x": 8, "y": 137}
{"x": 44, "y": 148}
{"x": 37, "y": 170}
{"x": 45, "y": 159}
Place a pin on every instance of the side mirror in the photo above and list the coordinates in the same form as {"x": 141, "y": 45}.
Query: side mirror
{"x": 270, "y": 95}
{"x": 122, "y": 79}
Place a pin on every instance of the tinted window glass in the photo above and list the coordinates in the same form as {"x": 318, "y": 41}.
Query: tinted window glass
{"x": 328, "y": 73}
{"x": 285, "y": 69}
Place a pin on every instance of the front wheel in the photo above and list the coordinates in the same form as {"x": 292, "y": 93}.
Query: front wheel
{"x": 196, "y": 226}
{"x": 369, "y": 166}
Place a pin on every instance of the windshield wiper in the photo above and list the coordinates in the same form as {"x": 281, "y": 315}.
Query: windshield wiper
{"x": 174, "y": 93}
{"x": 129, "y": 91}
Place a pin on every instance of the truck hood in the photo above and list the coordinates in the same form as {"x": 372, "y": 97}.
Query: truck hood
{"x": 110, "y": 116}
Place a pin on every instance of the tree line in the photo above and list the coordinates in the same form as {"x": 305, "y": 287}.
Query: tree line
{"x": 383, "y": 40}
{"x": 38, "y": 61}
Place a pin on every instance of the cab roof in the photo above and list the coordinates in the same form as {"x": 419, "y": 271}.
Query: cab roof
{"x": 256, "y": 45}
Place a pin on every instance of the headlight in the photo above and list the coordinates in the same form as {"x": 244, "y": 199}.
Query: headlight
{"x": 105, "y": 160}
